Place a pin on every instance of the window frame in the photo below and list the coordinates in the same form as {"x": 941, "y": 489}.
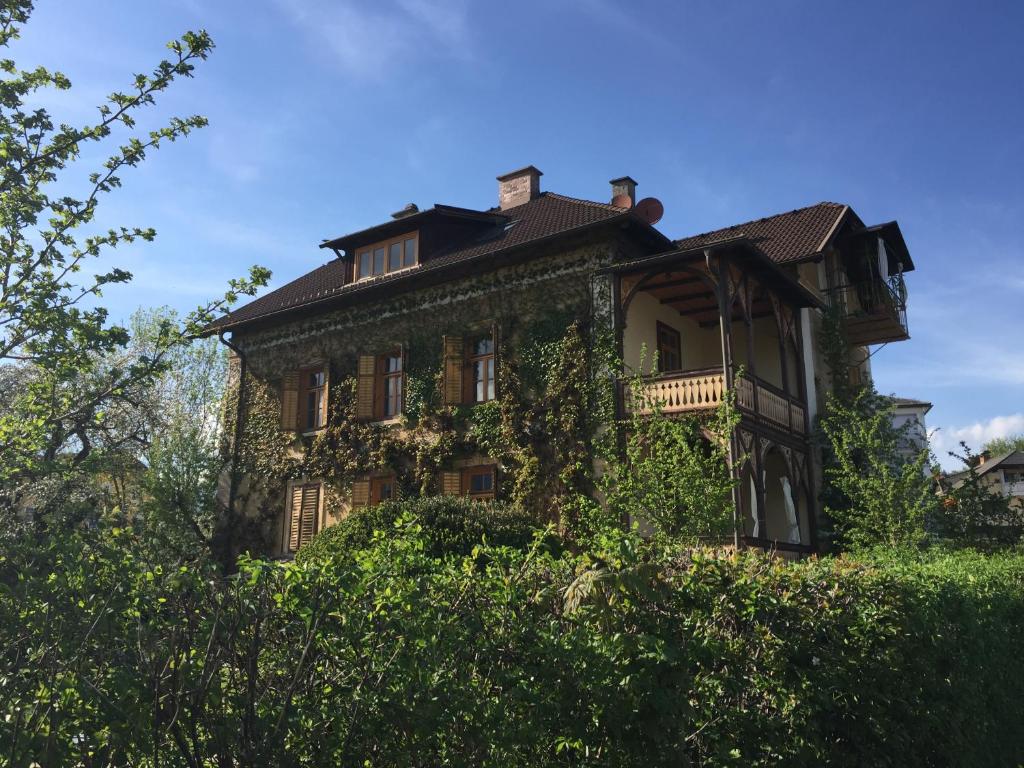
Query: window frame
{"x": 468, "y": 473}
{"x": 304, "y": 390}
{"x": 489, "y": 360}
{"x": 384, "y": 381}
{"x": 676, "y": 342}
{"x": 376, "y": 486}
{"x": 385, "y": 246}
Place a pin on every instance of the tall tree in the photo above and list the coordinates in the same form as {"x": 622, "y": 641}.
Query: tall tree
{"x": 56, "y": 343}
{"x": 1000, "y": 445}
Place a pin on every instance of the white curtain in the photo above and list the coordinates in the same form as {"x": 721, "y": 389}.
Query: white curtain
{"x": 753, "y": 507}
{"x": 883, "y": 260}
{"x": 794, "y": 524}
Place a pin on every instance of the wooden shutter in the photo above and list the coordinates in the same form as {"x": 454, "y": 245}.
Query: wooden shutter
{"x": 294, "y": 518}
{"x": 290, "y": 401}
{"x": 304, "y": 515}
{"x": 310, "y": 513}
{"x": 365, "y": 387}
{"x": 454, "y": 366}
{"x": 360, "y": 493}
{"x": 451, "y": 483}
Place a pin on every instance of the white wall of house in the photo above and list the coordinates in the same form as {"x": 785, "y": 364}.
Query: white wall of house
{"x": 701, "y": 347}
{"x": 911, "y": 418}
{"x": 766, "y": 349}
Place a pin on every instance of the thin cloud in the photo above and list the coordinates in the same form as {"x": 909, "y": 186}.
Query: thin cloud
{"x": 946, "y": 439}
{"x": 370, "y": 42}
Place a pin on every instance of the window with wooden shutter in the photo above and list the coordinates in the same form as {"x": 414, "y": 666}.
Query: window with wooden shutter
{"x": 312, "y": 398}
{"x": 290, "y": 401}
{"x": 304, "y": 515}
{"x": 451, "y": 483}
{"x": 454, "y": 365}
{"x": 390, "y": 385}
{"x": 361, "y": 493}
{"x": 383, "y": 489}
{"x": 479, "y": 482}
{"x": 481, "y": 378}
{"x": 365, "y": 387}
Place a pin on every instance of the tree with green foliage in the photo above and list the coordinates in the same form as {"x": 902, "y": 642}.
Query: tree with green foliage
{"x": 872, "y": 492}
{"x": 55, "y": 340}
{"x": 997, "y": 446}
{"x": 674, "y": 473}
{"x": 972, "y": 513}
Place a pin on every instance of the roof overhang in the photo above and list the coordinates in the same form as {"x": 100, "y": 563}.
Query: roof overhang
{"x": 408, "y": 223}
{"x": 429, "y": 274}
{"x": 895, "y": 245}
{"x": 740, "y": 247}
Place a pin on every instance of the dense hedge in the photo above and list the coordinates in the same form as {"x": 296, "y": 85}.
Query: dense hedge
{"x": 391, "y": 657}
{"x": 451, "y": 525}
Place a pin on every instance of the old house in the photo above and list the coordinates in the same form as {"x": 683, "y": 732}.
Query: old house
{"x": 459, "y": 351}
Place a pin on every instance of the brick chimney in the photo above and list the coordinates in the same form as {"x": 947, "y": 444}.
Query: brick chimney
{"x": 518, "y": 187}
{"x": 624, "y": 185}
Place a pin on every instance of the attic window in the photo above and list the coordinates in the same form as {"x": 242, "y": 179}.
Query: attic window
{"x": 387, "y": 256}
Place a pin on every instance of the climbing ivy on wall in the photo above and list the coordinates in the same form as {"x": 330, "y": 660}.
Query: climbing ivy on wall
{"x": 555, "y": 379}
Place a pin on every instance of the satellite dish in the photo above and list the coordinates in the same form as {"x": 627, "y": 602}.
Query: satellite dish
{"x": 622, "y": 201}
{"x": 650, "y": 210}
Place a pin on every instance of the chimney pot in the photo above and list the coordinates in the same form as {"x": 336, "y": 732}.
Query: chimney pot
{"x": 624, "y": 185}
{"x": 409, "y": 210}
{"x": 518, "y": 187}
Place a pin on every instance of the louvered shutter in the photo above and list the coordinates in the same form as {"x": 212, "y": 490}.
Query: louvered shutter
{"x": 304, "y": 515}
{"x": 360, "y": 493}
{"x": 365, "y": 387}
{"x": 310, "y": 513}
{"x": 290, "y": 401}
{"x": 454, "y": 366}
{"x": 451, "y": 483}
{"x": 294, "y": 518}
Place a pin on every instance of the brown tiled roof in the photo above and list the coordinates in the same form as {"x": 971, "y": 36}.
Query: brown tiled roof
{"x": 783, "y": 238}
{"x": 547, "y": 215}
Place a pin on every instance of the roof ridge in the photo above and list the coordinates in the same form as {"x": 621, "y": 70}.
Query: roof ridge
{"x": 568, "y": 198}
{"x": 763, "y": 218}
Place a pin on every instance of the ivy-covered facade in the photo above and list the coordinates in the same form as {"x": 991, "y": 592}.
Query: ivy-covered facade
{"x": 485, "y": 353}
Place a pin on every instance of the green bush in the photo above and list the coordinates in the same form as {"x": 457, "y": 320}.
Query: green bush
{"x": 451, "y": 524}
{"x": 627, "y": 656}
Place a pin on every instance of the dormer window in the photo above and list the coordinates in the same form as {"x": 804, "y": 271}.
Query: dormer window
{"x": 387, "y": 256}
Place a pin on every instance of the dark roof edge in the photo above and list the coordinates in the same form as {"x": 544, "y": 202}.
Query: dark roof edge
{"x": 425, "y": 269}
{"x": 435, "y": 210}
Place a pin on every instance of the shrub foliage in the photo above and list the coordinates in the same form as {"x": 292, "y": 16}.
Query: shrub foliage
{"x": 509, "y": 656}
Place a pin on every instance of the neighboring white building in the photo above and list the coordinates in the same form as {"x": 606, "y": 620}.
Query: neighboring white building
{"x": 909, "y": 415}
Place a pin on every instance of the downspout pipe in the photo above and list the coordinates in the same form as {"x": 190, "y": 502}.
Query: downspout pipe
{"x": 239, "y": 414}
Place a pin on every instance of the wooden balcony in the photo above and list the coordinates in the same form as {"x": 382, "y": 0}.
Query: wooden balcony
{"x": 881, "y": 312}
{"x": 695, "y": 391}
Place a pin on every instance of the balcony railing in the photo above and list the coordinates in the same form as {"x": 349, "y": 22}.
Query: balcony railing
{"x": 876, "y": 310}
{"x": 692, "y": 391}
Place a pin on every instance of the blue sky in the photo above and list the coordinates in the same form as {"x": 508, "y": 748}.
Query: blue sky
{"x": 327, "y": 116}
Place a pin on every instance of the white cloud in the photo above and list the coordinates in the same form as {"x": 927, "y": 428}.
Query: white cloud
{"x": 369, "y": 42}
{"x": 945, "y": 439}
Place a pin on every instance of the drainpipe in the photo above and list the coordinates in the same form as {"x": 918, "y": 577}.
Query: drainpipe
{"x": 239, "y": 413}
